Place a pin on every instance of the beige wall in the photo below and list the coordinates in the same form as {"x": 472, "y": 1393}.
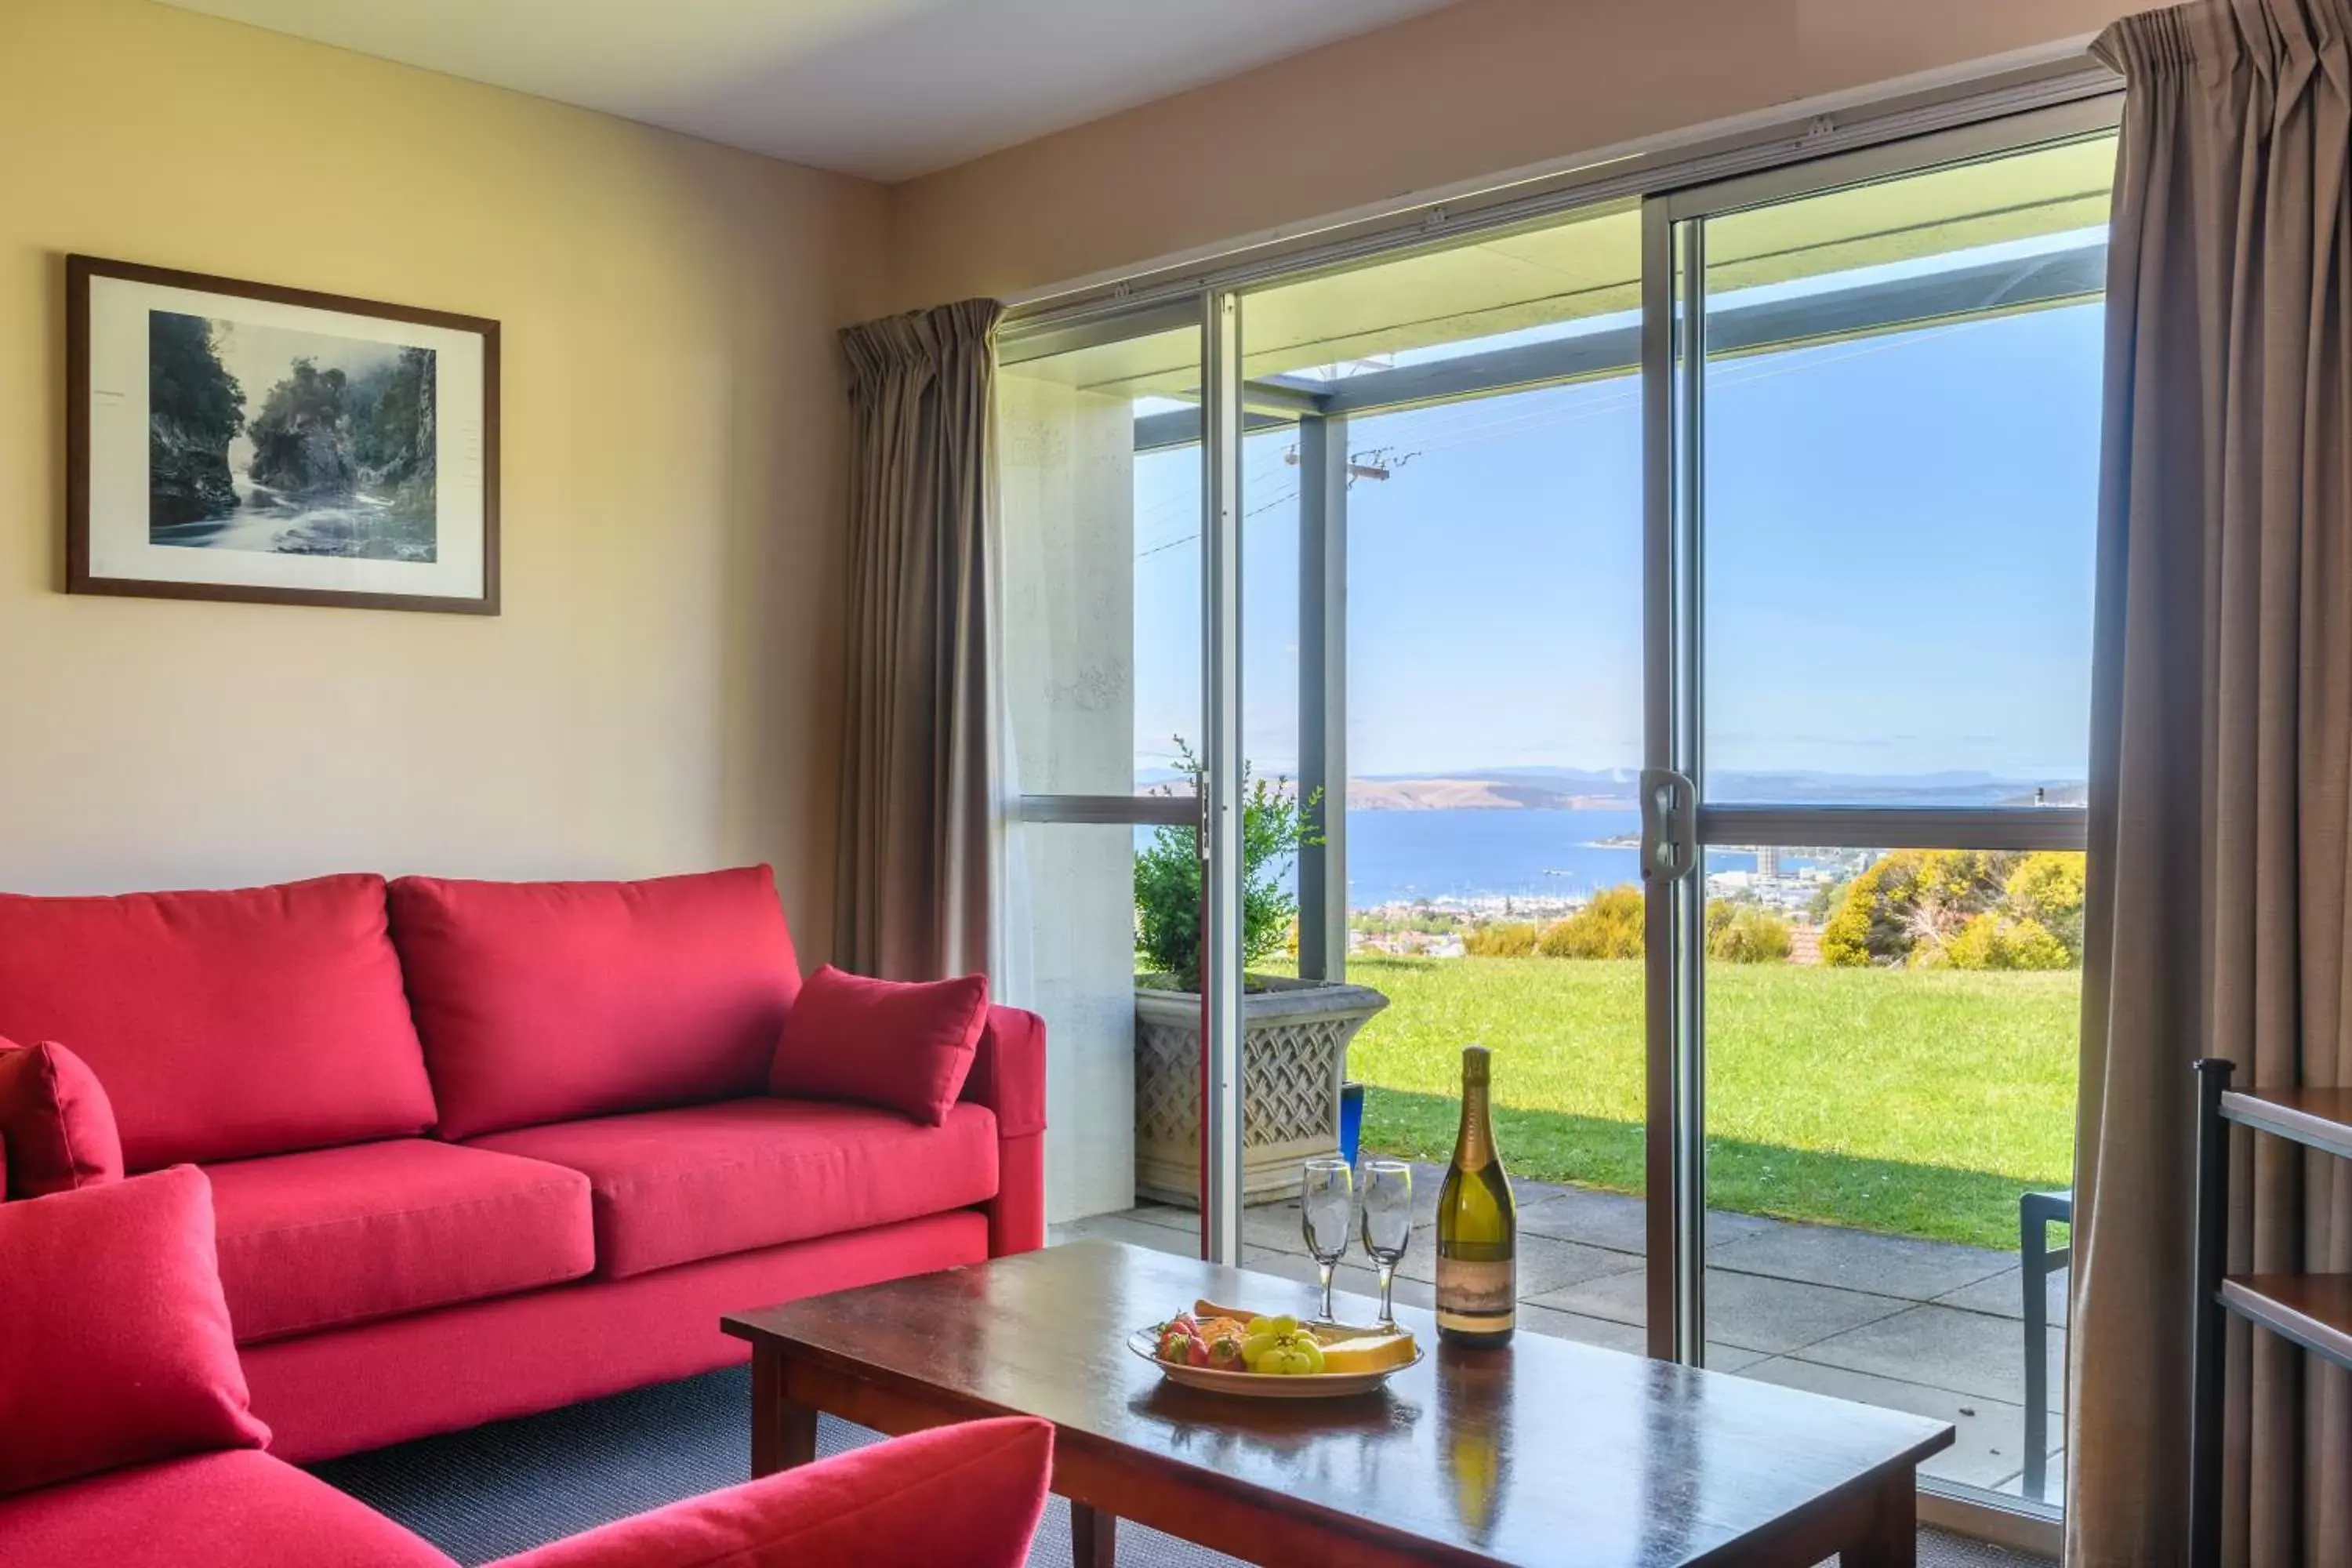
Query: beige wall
{"x": 660, "y": 692}
{"x": 1479, "y": 88}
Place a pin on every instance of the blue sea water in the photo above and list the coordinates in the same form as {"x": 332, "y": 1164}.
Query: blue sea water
{"x": 1396, "y": 857}
{"x": 1399, "y": 855}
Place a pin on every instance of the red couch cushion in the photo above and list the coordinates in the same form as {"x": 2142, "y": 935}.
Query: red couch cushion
{"x": 397, "y": 1378}
{"x": 219, "y": 1510}
{"x": 59, "y": 1129}
{"x": 969, "y": 1495}
{"x": 114, "y": 1340}
{"x": 340, "y": 1236}
{"x": 905, "y": 1045}
{"x": 223, "y": 1025}
{"x": 703, "y": 1179}
{"x": 547, "y": 1001}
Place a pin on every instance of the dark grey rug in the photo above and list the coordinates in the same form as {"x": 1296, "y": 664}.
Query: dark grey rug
{"x": 505, "y": 1487}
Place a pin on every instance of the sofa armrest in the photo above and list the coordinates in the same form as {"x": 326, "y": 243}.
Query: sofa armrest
{"x": 969, "y": 1494}
{"x": 1008, "y": 1071}
{"x": 1008, "y": 1075}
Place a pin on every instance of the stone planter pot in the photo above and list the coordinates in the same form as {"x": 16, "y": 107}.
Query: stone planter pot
{"x": 1294, "y": 1035}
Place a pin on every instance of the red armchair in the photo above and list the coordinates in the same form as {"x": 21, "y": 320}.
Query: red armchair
{"x": 968, "y": 1495}
{"x": 959, "y": 1497}
{"x": 129, "y": 1443}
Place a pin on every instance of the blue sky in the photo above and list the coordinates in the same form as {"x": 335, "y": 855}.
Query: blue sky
{"x": 1898, "y": 568}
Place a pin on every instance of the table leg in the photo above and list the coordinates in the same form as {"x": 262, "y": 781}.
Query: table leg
{"x": 783, "y": 1432}
{"x": 1892, "y": 1536}
{"x": 1093, "y": 1537}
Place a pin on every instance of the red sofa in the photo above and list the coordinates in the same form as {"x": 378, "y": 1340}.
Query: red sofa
{"x": 478, "y": 1150}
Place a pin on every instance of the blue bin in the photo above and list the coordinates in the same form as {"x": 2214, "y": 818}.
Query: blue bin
{"x": 1351, "y": 1120}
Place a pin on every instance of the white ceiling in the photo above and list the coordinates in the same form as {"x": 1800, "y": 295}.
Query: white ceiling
{"x": 886, "y": 89}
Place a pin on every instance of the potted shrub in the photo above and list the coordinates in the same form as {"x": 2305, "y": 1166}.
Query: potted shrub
{"x": 1294, "y": 1033}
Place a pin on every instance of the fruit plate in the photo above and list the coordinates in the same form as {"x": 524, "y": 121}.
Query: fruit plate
{"x": 1266, "y": 1385}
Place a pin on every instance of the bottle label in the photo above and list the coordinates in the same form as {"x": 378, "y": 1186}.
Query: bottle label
{"x": 1479, "y": 1297}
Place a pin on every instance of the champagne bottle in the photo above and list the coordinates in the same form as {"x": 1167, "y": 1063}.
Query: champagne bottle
{"x": 1478, "y": 1226}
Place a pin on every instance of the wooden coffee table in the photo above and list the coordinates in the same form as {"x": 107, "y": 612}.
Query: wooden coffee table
{"x": 1544, "y": 1452}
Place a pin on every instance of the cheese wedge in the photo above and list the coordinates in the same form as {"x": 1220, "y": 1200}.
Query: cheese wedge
{"x": 1368, "y": 1352}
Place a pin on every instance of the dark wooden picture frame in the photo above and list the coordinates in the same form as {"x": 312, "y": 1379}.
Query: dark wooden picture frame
{"x": 80, "y": 578}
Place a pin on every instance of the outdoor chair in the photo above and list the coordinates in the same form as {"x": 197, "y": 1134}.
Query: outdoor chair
{"x": 2036, "y": 1212}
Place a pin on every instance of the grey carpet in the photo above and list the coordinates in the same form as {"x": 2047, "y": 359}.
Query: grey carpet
{"x": 509, "y": 1485}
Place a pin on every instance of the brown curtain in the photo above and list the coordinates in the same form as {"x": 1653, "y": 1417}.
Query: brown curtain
{"x": 2222, "y": 765}
{"x": 918, "y": 780}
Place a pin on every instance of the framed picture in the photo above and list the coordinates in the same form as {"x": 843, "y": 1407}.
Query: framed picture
{"x": 230, "y": 440}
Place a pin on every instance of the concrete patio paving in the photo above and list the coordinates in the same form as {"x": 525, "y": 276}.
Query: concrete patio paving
{"x": 1922, "y": 1326}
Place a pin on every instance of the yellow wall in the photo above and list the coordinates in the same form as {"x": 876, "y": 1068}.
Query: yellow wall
{"x": 659, "y": 694}
{"x": 1477, "y": 89}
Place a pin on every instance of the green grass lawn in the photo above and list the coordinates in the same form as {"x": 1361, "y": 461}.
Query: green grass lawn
{"x": 1917, "y": 1102}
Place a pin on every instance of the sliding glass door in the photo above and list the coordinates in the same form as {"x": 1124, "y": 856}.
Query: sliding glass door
{"x": 1881, "y": 471}
{"x": 1650, "y": 639}
{"x": 1443, "y": 513}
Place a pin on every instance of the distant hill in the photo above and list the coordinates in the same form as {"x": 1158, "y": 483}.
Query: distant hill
{"x": 1584, "y": 789}
{"x": 1587, "y": 789}
{"x": 1944, "y": 789}
{"x": 1478, "y": 794}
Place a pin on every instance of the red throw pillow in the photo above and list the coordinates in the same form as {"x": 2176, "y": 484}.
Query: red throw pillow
{"x": 59, "y": 1127}
{"x": 903, "y": 1045}
{"x": 969, "y": 1495}
{"x": 117, "y": 1348}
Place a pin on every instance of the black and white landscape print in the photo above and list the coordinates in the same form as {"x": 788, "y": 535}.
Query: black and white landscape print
{"x": 295, "y": 443}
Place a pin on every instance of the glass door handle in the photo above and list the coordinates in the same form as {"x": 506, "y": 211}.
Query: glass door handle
{"x": 1669, "y": 825}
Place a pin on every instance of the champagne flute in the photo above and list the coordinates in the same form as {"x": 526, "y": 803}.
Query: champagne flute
{"x": 1388, "y": 1224}
{"x": 1327, "y": 1208}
